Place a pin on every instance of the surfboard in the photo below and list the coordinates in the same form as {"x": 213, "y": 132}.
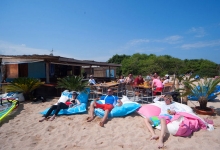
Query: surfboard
{"x": 7, "y": 107}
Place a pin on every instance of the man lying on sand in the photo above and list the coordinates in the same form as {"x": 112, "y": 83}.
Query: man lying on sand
{"x": 168, "y": 109}
{"x": 110, "y": 102}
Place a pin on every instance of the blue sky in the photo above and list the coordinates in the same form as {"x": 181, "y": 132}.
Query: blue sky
{"x": 98, "y": 29}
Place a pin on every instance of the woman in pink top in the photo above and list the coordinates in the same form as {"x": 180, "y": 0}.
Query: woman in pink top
{"x": 157, "y": 85}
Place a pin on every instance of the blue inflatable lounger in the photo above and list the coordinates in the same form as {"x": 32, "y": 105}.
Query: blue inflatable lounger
{"x": 82, "y": 97}
{"x": 119, "y": 111}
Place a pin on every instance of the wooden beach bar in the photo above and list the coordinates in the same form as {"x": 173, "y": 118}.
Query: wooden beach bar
{"x": 49, "y": 68}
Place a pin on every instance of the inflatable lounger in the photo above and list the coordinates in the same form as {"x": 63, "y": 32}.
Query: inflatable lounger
{"x": 183, "y": 123}
{"x": 7, "y": 107}
{"x": 119, "y": 111}
{"x": 82, "y": 97}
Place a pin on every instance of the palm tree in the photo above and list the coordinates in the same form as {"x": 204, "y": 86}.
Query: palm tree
{"x": 187, "y": 86}
{"x": 203, "y": 90}
{"x": 72, "y": 83}
{"x": 25, "y": 85}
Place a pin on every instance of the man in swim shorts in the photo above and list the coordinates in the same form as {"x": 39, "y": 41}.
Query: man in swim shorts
{"x": 110, "y": 102}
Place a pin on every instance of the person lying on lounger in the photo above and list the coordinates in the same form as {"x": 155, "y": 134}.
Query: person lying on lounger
{"x": 168, "y": 109}
{"x": 61, "y": 104}
{"x": 110, "y": 102}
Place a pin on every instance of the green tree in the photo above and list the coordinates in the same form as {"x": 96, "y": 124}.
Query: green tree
{"x": 147, "y": 64}
{"x": 117, "y": 59}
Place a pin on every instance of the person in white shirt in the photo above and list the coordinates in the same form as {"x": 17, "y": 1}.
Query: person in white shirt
{"x": 63, "y": 103}
{"x": 168, "y": 109}
{"x": 166, "y": 80}
{"x": 91, "y": 80}
{"x": 121, "y": 80}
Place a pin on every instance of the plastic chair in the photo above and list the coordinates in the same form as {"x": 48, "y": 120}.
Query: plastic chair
{"x": 166, "y": 90}
{"x": 147, "y": 95}
{"x": 130, "y": 92}
{"x": 119, "y": 90}
{"x": 94, "y": 92}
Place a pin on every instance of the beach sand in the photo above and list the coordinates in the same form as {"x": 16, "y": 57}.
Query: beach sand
{"x": 22, "y": 131}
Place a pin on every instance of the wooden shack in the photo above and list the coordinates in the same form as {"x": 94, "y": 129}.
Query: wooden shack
{"x": 49, "y": 68}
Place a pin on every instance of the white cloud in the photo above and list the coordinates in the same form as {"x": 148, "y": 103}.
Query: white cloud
{"x": 199, "y": 32}
{"x": 152, "y": 50}
{"x": 138, "y": 41}
{"x": 7, "y": 48}
{"x": 131, "y": 45}
{"x": 170, "y": 39}
{"x": 145, "y": 45}
{"x": 173, "y": 39}
{"x": 201, "y": 44}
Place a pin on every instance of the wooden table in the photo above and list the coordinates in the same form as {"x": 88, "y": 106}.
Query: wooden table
{"x": 169, "y": 84}
{"x": 143, "y": 86}
{"x": 105, "y": 86}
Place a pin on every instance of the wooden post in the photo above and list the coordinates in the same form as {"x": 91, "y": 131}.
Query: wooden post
{"x": 90, "y": 70}
{"x": 109, "y": 71}
{"x": 47, "y": 72}
{"x": 3, "y": 72}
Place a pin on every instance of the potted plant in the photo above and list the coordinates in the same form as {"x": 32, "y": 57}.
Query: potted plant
{"x": 25, "y": 85}
{"x": 203, "y": 91}
{"x": 72, "y": 83}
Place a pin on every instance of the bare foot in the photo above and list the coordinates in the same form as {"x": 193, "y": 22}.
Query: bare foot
{"x": 52, "y": 118}
{"x": 154, "y": 137}
{"x": 101, "y": 124}
{"x": 47, "y": 118}
{"x": 160, "y": 145}
{"x": 89, "y": 119}
{"x": 42, "y": 119}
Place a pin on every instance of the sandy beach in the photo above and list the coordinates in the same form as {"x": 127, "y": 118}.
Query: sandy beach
{"x": 22, "y": 131}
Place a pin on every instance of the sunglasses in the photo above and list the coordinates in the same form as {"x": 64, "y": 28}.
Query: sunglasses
{"x": 166, "y": 99}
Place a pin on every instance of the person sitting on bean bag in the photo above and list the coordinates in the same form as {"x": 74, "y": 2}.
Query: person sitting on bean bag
{"x": 110, "y": 102}
{"x": 63, "y": 103}
{"x": 168, "y": 109}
